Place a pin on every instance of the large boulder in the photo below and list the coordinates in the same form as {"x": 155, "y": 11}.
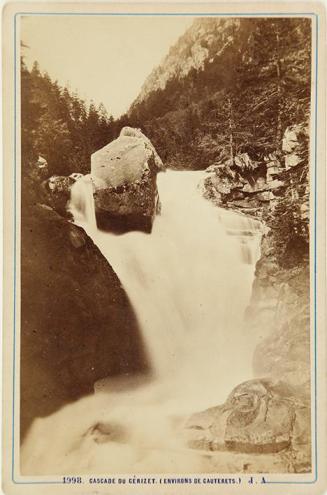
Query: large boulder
{"x": 77, "y": 324}
{"x": 124, "y": 172}
{"x": 259, "y": 417}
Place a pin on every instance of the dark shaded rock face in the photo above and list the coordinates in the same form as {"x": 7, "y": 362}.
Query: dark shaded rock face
{"x": 259, "y": 417}
{"x": 124, "y": 172}
{"x": 77, "y": 324}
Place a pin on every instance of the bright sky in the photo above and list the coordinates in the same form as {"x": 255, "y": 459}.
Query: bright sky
{"x": 105, "y": 58}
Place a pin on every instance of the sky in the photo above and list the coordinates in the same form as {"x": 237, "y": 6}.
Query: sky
{"x": 103, "y": 58}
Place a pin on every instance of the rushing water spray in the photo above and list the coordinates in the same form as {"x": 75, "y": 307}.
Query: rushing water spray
{"x": 82, "y": 203}
{"x": 189, "y": 282}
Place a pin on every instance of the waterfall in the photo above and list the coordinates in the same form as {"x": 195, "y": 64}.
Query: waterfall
{"x": 190, "y": 282}
{"x": 247, "y": 230}
{"x": 82, "y": 203}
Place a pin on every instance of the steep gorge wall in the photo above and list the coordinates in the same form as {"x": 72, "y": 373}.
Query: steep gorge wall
{"x": 268, "y": 415}
{"x": 277, "y": 192}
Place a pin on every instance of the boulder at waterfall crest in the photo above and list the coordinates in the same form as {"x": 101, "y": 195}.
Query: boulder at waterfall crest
{"x": 124, "y": 172}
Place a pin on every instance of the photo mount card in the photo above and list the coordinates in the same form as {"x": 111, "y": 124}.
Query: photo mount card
{"x": 164, "y": 248}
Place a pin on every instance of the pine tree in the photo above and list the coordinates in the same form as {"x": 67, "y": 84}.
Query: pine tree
{"x": 57, "y": 125}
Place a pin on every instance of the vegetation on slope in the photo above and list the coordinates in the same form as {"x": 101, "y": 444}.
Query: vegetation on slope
{"x": 254, "y": 83}
{"x": 57, "y": 125}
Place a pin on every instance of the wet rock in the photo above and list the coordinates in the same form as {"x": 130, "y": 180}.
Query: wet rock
{"x": 77, "y": 324}
{"x": 224, "y": 185}
{"x": 125, "y": 171}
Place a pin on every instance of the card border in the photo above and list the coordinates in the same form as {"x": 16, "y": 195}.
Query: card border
{"x": 314, "y": 138}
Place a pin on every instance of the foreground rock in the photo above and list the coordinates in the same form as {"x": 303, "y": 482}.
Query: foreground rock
{"x": 124, "y": 172}
{"x": 77, "y": 324}
{"x": 259, "y": 417}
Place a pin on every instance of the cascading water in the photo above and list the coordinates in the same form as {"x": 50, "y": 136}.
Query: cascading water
{"x": 82, "y": 203}
{"x": 189, "y": 282}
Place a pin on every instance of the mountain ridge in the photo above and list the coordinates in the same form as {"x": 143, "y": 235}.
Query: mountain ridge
{"x": 181, "y": 58}
{"x": 240, "y": 81}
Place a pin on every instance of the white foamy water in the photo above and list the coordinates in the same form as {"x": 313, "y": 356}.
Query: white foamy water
{"x": 189, "y": 282}
{"x": 82, "y": 203}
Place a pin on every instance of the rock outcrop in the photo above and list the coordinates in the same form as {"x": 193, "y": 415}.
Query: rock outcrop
{"x": 255, "y": 187}
{"x": 124, "y": 172}
{"x": 259, "y": 417}
{"x": 244, "y": 185}
{"x": 77, "y": 324}
{"x": 276, "y": 191}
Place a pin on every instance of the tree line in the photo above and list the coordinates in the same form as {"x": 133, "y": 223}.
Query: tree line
{"x": 58, "y": 125}
{"x": 241, "y": 101}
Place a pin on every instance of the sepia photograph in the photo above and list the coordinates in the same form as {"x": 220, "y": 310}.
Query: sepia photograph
{"x": 165, "y": 209}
